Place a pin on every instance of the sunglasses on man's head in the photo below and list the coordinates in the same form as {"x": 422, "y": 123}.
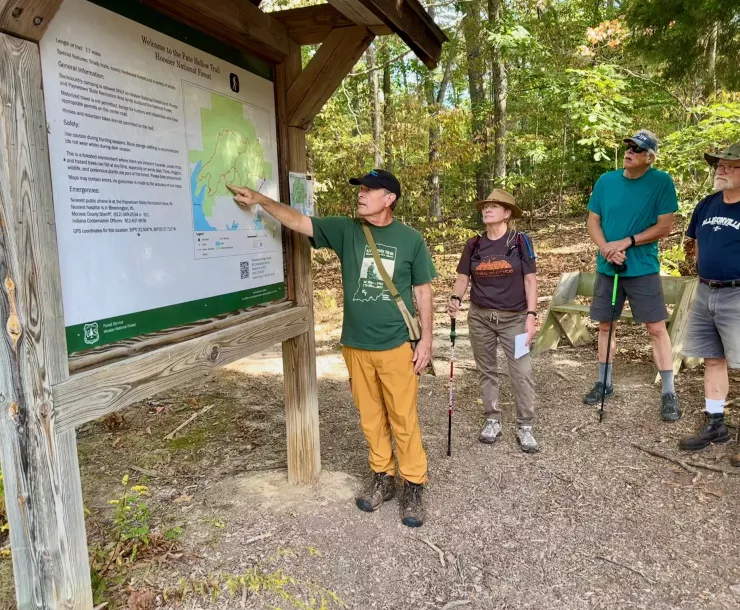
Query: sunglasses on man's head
{"x": 635, "y": 148}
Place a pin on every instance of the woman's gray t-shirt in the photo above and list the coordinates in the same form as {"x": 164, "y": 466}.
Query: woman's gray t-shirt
{"x": 497, "y": 269}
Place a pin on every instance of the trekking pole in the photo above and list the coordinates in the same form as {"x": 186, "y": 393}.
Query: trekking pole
{"x": 618, "y": 269}
{"x": 451, "y": 407}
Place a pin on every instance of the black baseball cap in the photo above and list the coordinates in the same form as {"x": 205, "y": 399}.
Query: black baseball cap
{"x": 379, "y": 179}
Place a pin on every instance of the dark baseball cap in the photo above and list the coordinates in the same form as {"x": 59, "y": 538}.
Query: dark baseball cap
{"x": 644, "y": 139}
{"x": 379, "y": 179}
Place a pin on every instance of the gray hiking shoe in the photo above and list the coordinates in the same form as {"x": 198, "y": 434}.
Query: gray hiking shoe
{"x": 381, "y": 488}
{"x": 526, "y": 439}
{"x": 594, "y": 396}
{"x": 670, "y": 409}
{"x": 490, "y": 432}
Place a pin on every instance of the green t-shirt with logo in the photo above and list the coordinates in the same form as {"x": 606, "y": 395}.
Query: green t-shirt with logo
{"x": 628, "y": 207}
{"x": 372, "y": 320}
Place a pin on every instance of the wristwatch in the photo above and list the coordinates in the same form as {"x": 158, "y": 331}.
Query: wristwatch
{"x": 454, "y": 296}
{"x": 532, "y": 313}
{"x": 632, "y": 239}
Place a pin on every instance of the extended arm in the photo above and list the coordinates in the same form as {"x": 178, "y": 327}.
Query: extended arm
{"x": 461, "y": 285}
{"x": 659, "y": 230}
{"x": 595, "y": 231}
{"x": 284, "y": 214}
{"x": 530, "y": 289}
{"x": 423, "y": 353}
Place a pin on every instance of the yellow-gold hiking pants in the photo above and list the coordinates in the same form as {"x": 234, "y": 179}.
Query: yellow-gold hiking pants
{"x": 384, "y": 389}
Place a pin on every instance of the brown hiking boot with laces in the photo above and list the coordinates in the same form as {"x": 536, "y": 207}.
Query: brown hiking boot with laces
{"x": 412, "y": 509}
{"x": 381, "y": 488}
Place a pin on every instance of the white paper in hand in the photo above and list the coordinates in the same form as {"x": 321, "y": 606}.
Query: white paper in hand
{"x": 520, "y": 346}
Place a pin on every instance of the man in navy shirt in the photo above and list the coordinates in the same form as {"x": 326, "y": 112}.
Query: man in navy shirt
{"x": 714, "y": 321}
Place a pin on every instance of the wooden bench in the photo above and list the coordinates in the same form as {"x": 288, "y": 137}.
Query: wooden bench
{"x": 565, "y": 317}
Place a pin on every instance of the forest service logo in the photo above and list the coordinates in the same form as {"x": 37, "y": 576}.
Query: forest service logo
{"x": 91, "y": 333}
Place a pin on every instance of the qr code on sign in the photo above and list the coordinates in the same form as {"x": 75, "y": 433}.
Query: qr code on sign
{"x": 244, "y": 267}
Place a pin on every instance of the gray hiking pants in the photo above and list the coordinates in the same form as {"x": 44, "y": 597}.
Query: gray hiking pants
{"x": 487, "y": 327}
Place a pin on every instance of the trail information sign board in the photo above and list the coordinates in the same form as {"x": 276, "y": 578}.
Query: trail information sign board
{"x": 145, "y": 132}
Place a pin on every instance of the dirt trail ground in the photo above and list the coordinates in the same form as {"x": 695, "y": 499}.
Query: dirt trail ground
{"x": 589, "y": 522}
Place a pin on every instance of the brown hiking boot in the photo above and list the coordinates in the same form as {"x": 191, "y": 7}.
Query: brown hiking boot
{"x": 735, "y": 460}
{"x": 412, "y": 510}
{"x": 714, "y": 432}
{"x": 381, "y": 488}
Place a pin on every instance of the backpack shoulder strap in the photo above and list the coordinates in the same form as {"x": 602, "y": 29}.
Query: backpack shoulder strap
{"x": 523, "y": 240}
{"x": 473, "y": 251}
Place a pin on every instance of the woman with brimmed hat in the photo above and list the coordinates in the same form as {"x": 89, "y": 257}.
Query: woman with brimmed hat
{"x": 500, "y": 266}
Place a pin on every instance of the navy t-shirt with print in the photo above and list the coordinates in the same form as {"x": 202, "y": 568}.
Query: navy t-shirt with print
{"x": 716, "y": 227}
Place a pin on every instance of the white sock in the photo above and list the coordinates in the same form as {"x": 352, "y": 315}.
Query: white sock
{"x": 715, "y": 407}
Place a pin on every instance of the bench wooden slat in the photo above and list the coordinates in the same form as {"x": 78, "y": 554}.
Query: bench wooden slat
{"x": 566, "y": 319}
{"x": 584, "y": 310}
{"x": 672, "y": 286}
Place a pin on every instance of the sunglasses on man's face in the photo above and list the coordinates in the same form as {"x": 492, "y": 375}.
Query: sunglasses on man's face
{"x": 635, "y": 148}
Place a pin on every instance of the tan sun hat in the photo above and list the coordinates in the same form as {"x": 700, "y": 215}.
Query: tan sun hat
{"x": 505, "y": 199}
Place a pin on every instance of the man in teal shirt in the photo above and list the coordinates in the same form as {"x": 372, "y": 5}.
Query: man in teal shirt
{"x": 382, "y": 364}
{"x": 629, "y": 211}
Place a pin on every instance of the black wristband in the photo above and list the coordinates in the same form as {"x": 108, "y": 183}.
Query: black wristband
{"x": 532, "y": 313}
{"x": 454, "y": 296}
{"x": 632, "y": 239}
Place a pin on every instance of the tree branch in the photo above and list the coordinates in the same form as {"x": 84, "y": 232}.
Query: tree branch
{"x": 652, "y": 82}
{"x": 379, "y": 66}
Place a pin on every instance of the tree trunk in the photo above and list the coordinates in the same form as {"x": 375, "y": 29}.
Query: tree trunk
{"x": 434, "y": 104}
{"x": 711, "y": 85}
{"x": 435, "y": 202}
{"x": 387, "y": 116}
{"x": 373, "y": 82}
{"x": 471, "y": 25}
{"x": 499, "y": 81}
{"x": 562, "y": 169}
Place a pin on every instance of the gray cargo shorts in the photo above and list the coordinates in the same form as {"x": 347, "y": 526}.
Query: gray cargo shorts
{"x": 645, "y": 294}
{"x": 714, "y": 325}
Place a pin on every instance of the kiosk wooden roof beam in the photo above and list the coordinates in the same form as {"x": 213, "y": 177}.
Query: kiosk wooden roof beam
{"x": 407, "y": 18}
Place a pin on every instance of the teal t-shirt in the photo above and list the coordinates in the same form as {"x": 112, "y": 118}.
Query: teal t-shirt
{"x": 628, "y": 207}
{"x": 372, "y": 320}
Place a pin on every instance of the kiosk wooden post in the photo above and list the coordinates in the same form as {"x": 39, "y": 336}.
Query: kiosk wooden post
{"x": 299, "y": 353}
{"x": 39, "y": 463}
{"x": 46, "y": 394}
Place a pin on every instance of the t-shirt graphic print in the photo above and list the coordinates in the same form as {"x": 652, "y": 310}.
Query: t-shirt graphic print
{"x": 370, "y": 285}
{"x": 716, "y": 226}
{"x": 492, "y": 267}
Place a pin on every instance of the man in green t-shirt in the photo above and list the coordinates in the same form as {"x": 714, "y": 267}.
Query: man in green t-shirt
{"x": 382, "y": 365}
{"x": 629, "y": 211}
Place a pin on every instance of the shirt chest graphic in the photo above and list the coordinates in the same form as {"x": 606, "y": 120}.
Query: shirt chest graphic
{"x": 717, "y": 223}
{"x": 370, "y": 284}
{"x": 493, "y": 266}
